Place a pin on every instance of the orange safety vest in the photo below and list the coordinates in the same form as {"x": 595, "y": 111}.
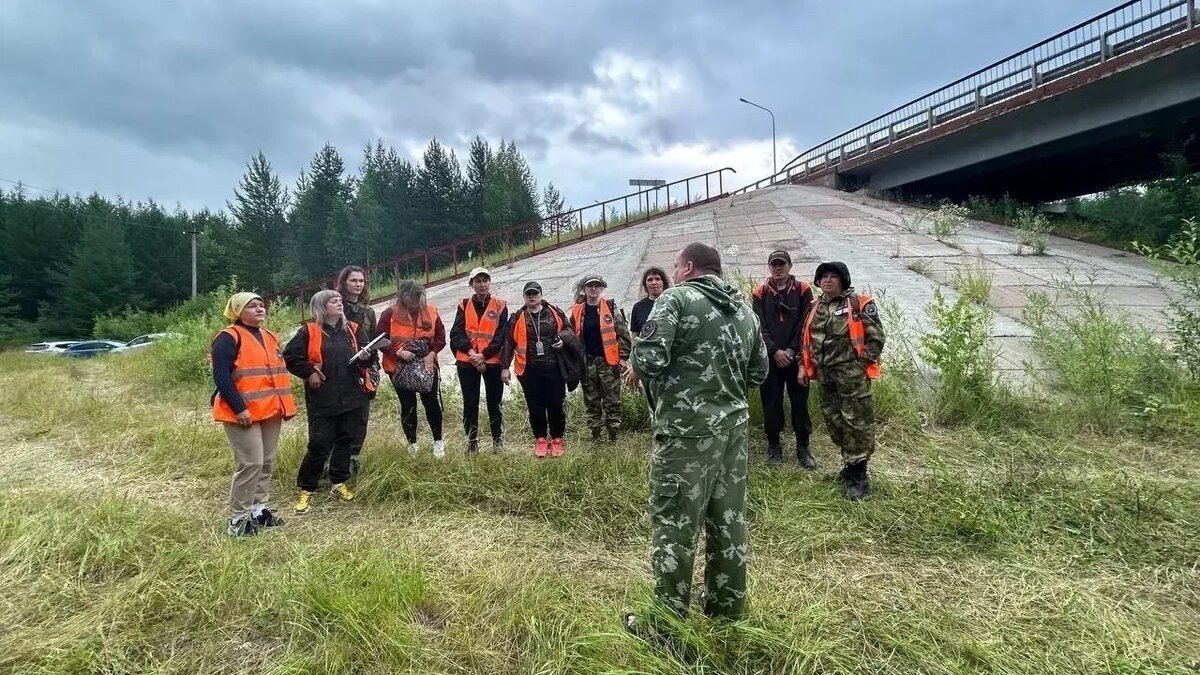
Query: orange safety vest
{"x": 260, "y": 377}
{"x": 858, "y": 334}
{"x": 608, "y": 329}
{"x": 481, "y": 330}
{"x": 521, "y": 336}
{"x": 400, "y": 332}
{"x": 316, "y": 340}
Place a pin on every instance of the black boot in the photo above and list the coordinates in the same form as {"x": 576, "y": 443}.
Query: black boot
{"x": 612, "y": 435}
{"x": 472, "y": 447}
{"x": 806, "y": 457}
{"x": 857, "y": 483}
{"x": 596, "y": 434}
{"x": 774, "y": 454}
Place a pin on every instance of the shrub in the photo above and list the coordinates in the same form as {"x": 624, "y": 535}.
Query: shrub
{"x": 1106, "y": 364}
{"x": 974, "y": 283}
{"x": 948, "y": 221}
{"x": 1033, "y": 230}
{"x": 959, "y": 347}
{"x": 1179, "y": 261}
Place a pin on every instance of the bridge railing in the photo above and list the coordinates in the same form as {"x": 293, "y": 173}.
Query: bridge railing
{"x": 455, "y": 259}
{"x": 1128, "y": 27}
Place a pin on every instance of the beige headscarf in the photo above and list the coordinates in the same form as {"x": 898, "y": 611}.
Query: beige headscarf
{"x": 233, "y": 309}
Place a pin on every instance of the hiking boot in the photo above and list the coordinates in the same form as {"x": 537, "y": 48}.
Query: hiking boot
{"x": 612, "y": 435}
{"x": 595, "y": 434}
{"x": 556, "y": 447}
{"x": 775, "y": 454}
{"x": 439, "y": 449}
{"x": 857, "y": 484}
{"x": 540, "y": 448}
{"x": 242, "y": 527}
{"x": 268, "y": 519}
{"x": 472, "y": 447}
{"x": 806, "y": 457}
{"x": 497, "y": 445}
{"x": 303, "y": 501}
{"x": 342, "y": 492}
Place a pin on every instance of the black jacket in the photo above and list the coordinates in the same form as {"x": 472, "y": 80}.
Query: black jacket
{"x": 342, "y": 390}
{"x": 781, "y": 315}
{"x": 571, "y": 362}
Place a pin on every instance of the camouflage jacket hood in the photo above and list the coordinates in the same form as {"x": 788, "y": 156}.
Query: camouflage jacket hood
{"x": 700, "y": 355}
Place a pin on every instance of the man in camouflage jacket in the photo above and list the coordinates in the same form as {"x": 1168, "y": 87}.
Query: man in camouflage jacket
{"x": 829, "y": 355}
{"x": 700, "y": 354}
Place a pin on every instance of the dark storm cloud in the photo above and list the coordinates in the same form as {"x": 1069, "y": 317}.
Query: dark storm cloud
{"x": 210, "y": 83}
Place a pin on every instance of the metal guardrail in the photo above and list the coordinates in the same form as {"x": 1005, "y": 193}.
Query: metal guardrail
{"x": 1126, "y": 28}
{"x": 453, "y": 260}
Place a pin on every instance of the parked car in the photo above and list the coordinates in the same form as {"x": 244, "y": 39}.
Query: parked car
{"x": 50, "y": 346}
{"x": 143, "y": 341}
{"x": 92, "y": 348}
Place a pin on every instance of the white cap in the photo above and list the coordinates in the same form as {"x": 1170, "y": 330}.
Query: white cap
{"x": 476, "y": 272}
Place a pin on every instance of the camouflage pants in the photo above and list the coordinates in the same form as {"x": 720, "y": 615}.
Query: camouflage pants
{"x": 694, "y": 481}
{"x": 849, "y": 412}
{"x": 602, "y": 394}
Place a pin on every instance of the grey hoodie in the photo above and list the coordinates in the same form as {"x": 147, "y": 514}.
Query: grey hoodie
{"x": 700, "y": 354}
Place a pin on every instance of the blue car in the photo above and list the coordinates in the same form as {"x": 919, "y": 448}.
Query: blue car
{"x": 83, "y": 350}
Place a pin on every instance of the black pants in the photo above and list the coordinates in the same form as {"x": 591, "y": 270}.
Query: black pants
{"x": 469, "y": 379}
{"x": 432, "y": 403}
{"x": 331, "y": 437}
{"x": 545, "y": 394}
{"x": 771, "y": 391}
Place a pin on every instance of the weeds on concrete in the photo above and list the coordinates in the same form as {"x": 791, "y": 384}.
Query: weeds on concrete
{"x": 1179, "y": 261}
{"x": 1033, "y": 230}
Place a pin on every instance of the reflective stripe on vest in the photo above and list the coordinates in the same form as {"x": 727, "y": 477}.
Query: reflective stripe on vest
{"x": 316, "y": 342}
{"x": 520, "y": 333}
{"x": 400, "y": 332}
{"x": 858, "y": 333}
{"x": 481, "y": 330}
{"x": 260, "y": 376}
{"x": 608, "y": 329}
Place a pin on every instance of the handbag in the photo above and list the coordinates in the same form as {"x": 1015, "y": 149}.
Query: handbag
{"x": 414, "y": 376}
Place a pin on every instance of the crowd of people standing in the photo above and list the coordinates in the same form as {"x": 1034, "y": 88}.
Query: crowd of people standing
{"x": 696, "y": 349}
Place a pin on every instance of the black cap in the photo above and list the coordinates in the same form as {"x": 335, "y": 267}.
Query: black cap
{"x": 532, "y": 286}
{"x": 779, "y": 255}
{"x": 836, "y": 267}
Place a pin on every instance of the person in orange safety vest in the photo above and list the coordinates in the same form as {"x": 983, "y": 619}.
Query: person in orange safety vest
{"x": 607, "y": 343}
{"x": 477, "y": 338}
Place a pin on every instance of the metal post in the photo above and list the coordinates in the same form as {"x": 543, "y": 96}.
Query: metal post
{"x": 774, "y": 166}
{"x": 604, "y": 217}
{"x": 688, "y": 185}
{"x": 721, "y": 181}
{"x": 626, "y": 209}
{"x": 427, "y": 268}
{"x": 193, "y": 263}
{"x": 1033, "y": 76}
{"x": 978, "y": 98}
{"x": 930, "y": 117}
{"x": 454, "y": 257}
{"x": 668, "y": 198}
{"x": 1191, "y": 17}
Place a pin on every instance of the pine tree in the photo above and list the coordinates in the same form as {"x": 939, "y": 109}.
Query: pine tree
{"x": 259, "y": 208}
{"x": 552, "y": 203}
{"x": 321, "y": 221}
{"x": 99, "y": 275}
{"x": 480, "y": 169}
{"x": 439, "y": 199}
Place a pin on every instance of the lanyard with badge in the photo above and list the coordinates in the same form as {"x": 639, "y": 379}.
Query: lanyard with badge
{"x": 539, "y": 347}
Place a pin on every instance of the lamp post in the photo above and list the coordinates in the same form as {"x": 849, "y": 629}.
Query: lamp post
{"x": 774, "y": 166}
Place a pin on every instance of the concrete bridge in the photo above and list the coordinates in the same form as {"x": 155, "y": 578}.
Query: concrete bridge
{"x": 1090, "y": 108}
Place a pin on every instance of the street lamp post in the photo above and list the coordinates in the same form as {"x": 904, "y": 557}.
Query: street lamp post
{"x": 774, "y": 166}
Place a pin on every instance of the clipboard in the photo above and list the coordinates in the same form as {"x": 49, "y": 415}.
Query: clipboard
{"x": 373, "y": 344}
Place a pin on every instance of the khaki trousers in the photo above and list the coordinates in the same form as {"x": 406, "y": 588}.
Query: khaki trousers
{"x": 254, "y": 452}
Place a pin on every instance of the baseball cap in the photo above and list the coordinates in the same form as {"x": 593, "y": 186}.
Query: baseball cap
{"x": 779, "y": 255}
{"x": 476, "y": 272}
{"x": 594, "y": 280}
{"x": 532, "y": 286}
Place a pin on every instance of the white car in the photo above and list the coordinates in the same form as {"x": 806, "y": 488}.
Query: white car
{"x": 142, "y": 341}
{"x": 50, "y": 346}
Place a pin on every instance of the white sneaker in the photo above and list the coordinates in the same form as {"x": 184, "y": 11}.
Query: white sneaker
{"x": 439, "y": 449}
{"x": 413, "y": 448}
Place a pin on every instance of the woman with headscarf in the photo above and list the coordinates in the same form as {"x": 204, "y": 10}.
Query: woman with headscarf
{"x": 607, "y": 343}
{"x": 535, "y": 335}
{"x": 415, "y": 332}
{"x": 329, "y": 354}
{"x": 253, "y": 397}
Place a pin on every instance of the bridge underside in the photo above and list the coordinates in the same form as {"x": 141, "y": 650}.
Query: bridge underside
{"x": 1109, "y": 131}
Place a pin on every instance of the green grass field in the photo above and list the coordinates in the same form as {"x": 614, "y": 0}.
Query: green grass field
{"x": 1033, "y": 549}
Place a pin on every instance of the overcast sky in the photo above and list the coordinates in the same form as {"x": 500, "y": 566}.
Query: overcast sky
{"x": 169, "y": 100}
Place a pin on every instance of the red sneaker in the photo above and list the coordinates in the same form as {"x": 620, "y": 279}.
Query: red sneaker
{"x": 556, "y": 447}
{"x": 540, "y": 448}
